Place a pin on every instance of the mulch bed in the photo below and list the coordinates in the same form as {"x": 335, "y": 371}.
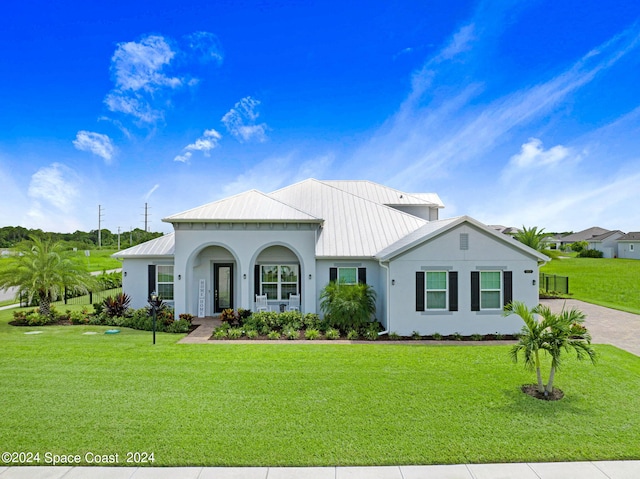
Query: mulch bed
{"x": 532, "y": 390}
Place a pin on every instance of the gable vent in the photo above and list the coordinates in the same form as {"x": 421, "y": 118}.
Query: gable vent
{"x": 464, "y": 241}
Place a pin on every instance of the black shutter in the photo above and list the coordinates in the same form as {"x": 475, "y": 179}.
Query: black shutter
{"x": 507, "y": 276}
{"x": 256, "y": 280}
{"x": 475, "y": 291}
{"x": 152, "y": 279}
{"x": 453, "y": 291}
{"x": 362, "y": 275}
{"x": 300, "y": 284}
{"x": 333, "y": 274}
{"x": 420, "y": 291}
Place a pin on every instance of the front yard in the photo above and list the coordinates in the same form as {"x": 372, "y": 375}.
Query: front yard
{"x": 613, "y": 283}
{"x": 225, "y": 404}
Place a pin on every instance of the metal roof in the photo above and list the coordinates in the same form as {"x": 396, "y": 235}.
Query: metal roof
{"x": 250, "y": 206}
{"x": 353, "y": 226}
{"x": 382, "y": 194}
{"x": 162, "y": 246}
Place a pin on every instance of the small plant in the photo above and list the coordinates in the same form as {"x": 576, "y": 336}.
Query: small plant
{"x": 98, "y": 308}
{"x": 332, "y": 333}
{"x": 180, "y": 326}
{"x": 78, "y": 317}
{"x": 291, "y": 333}
{"x": 437, "y": 336}
{"x": 228, "y": 316}
{"x": 252, "y": 334}
{"x": 456, "y": 336}
{"x": 499, "y": 336}
{"x": 416, "y": 335}
{"x": 116, "y": 305}
{"x": 371, "y": 334}
{"x": 394, "y": 336}
{"x": 234, "y": 333}
{"x": 220, "y": 333}
{"x": 273, "y": 335}
{"x": 311, "y": 334}
{"x": 353, "y": 335}
{"x": 186, "y": 316}
{"x": 476, "y": 337}
{"x": 243, "y": 315}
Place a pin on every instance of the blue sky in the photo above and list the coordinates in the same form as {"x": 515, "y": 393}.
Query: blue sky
{"x": 523, "y": 112}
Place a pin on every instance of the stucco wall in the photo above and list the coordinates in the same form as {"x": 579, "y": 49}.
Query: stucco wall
{"x": 135, "y": 278}
{"x": 484, "y": 253}
{"x": 624, "y": 250}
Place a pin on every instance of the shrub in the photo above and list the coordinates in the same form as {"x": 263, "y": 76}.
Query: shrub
{"x": 312, "y": 320}
{"x": 186, "y": 317}
{"x": 98, "y": 308}
{"x": 371, "y": 333}
{"x": 416, "y": 335}
{"x": 291, "y": 333}
{"x": 235, "y": 333}
{"x": 180, "y": 326}
{"x": 228, "y": 316}
{"x": 311, "y": 334}
{"x": 273, "y": 335}
{"x": 394, "y": 336}
{"x": 476, "y": 337}
{"x": 353, "y": 335}
{"x": 578, "y": 246}
{"x": 116, "y": 305}
{"x": 332, "y": 333}
{"x": 348, "y": 305}
{"x": 590, "y": 253}
{"x": 220, "y": 333}
{"x": 243, "y": 315}
{"x": 37, "y": 319}
{"x": 252, "y": 334}
{"x": 78, "y": 317}
{"x": 437, "y": 336}
{"x": 457, "y": 336}
{"x": 499, "y": 336}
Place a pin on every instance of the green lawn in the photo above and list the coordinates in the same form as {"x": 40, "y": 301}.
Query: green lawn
{"x": 614, "y": 283}
{"x": 312, "y": 404}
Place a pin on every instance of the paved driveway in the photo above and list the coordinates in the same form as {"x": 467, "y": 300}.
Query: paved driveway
{"x": 606, "y": 325}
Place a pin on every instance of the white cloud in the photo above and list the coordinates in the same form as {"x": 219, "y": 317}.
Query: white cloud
{"x": 55, "y": 184}
{"x": 460, "y": 42}
{"x": 183, "y": 158}
{"x": 131, "y": 105}
{"x": 207, "y": 142}
{"x": 151, "y": 191}
{"x": 96, "y": 143}
{"x": 206, "y": 47}
{"x": 240, "y": 121}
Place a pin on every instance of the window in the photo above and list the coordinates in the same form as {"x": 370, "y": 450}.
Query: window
{"x": 490, "y": 289}
{"x": 279, "y": 281}
{"x": 436, "y": 286}
{"x": 165, "y": 282}
{"x": 631, "y": 246}
{"x": 347, "y": 275}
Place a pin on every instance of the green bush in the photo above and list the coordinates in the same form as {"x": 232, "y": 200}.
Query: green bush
{"x": 116, "y": 305}
{"x": 180, "y": 326}
{"x": 416, "y": 335}
{"x": 348, "y": 306}
{"x": 186, "y": 316}
{"x": 371, "y": 333}
{"x": 311, "y": 334}
{"x": 79, "y": 317}
{"x": 220, "y": 333}
{"x": 235, "y": 333}
{"x": 273, "y": 335}
{"x": 590, "y": 253}
{"x": 476, "y": 337}
{"x": 252, "y": 334}
{"x": 437, "y": 336}
{"x": 394, "y": 336}
{"x": 291, "y": 333}
{"x": 353, "y": 335}
{"x": 332, "y": 333}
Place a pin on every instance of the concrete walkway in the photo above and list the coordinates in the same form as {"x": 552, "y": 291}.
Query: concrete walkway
{"x": 607, "y": 326}
{"x": 553, "y": 470}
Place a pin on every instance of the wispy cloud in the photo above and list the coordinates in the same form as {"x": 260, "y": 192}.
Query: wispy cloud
{"x": 205, "y": 47}
{"x": 55, "y": 184}
{"x": 240, "y": 121}
{"x": 150, "y": 192}
{"x": 96, "y": 143}
{"x": 207, "y": 142}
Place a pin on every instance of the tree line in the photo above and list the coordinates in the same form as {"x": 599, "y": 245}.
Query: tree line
{"x": 11, "y": 236}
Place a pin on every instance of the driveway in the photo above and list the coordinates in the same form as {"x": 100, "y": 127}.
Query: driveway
{"x": 606, "y": 325}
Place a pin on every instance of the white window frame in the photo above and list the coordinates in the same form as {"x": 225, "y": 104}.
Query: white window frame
{"x": 342, "y": 268}
{"x": 500, "y": 295}
{"x": 631, "y": 247}
{"x": 158, "y": 282}
{"x": 445, "y": 291}
{"x": 279, "y": 281}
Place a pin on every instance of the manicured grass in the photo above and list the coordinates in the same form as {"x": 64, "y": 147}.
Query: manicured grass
{"x": 312, "y": 404}
{"x": 607, "y": 282}
{"x": 98, "y": 260}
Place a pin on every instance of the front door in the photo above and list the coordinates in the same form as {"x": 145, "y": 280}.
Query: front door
{"x": 223, "y": 286}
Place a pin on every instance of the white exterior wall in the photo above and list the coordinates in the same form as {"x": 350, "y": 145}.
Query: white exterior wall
{"x": 624, "y": 249}
{"x": 444, "y": 251}
{"x": 241, "y": 245}
{"x": 135, "y": 278}
{"x": 608, "y": 246}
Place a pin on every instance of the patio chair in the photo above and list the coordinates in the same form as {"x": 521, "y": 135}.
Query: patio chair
{"x": 294, "y": 302}
{"x": 261, "y": 303}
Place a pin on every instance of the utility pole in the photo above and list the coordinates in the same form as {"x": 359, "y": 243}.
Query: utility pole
{"x": 130, "y": 235}
{"x": 146, "y": 217}
{"x": 100, "y": 215}
{"x": 118, "y": 238}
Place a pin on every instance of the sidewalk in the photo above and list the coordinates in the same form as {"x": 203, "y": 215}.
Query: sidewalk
{"x": 546, "y": 470}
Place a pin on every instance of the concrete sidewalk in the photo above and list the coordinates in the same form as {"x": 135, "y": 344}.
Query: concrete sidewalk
{"x": 548, "y": 470}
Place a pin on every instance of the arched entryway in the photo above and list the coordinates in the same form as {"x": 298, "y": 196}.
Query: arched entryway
{"x": 215, "y": 280}
{"x": 278, "y": 274}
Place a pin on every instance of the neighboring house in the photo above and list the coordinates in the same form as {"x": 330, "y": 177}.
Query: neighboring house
{"x": 448, "y": 275}
{"x": 607, "y": 243}
{"x": 629, "y": 245}
{"x": 584, "y": 235}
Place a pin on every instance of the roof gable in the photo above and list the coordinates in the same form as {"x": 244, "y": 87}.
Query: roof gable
{"x": 584, "y": 235}
{"x": 250, "y": 206}
{"x": 162, "y": 246}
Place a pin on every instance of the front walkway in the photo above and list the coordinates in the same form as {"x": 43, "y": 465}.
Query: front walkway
{"x": 606, "y": 325}
{"x": 548, "y": 470}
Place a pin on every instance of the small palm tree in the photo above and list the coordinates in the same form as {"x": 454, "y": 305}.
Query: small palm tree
{"x": 532, "y": 237}
{"x": 42, "y": 269}
{"x": 348, "y": 306}
{"x": 552, "y": 334}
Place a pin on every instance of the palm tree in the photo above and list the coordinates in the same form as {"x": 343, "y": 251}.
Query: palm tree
{"x": 532, "y": 237}
{"x": 552, "y": 334}
{"x": 43, "y": 269}
{"x": 348, "y": 305}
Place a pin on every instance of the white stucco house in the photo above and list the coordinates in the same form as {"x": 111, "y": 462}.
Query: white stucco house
{"x": 430, "y": 274}
{"x": 607, "y": 243}
{"x": 629, "y": 245}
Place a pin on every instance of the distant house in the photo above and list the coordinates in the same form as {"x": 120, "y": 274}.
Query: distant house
{"x": 584, "y": 235}
{"x": 607, "y": 243}
{"x": 629, "y": 245}
{"x": 430, "y": 275}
